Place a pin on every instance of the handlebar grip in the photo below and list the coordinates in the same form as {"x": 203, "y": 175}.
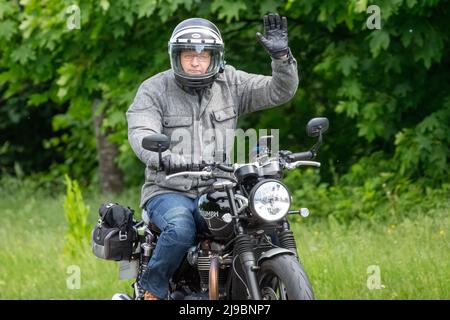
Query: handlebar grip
{"x": 179, "y": 168}
{"x": 300, "y": 156}
{"x": 196, "y": 167}
{"x": 186, "y": 167}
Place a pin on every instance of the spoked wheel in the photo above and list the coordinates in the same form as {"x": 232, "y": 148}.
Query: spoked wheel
{"x": 282, "y": 277}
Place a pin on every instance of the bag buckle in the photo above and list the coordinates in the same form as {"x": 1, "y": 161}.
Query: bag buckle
{"x": 122, "y": 236}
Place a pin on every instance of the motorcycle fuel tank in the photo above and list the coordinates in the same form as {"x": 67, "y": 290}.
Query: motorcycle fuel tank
{"x": 215, "y": 209}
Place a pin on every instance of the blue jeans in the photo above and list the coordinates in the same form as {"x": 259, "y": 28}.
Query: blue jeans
{"x": 178, "y": 219}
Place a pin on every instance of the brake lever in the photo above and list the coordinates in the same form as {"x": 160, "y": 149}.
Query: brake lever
{"x": 200, "y": 174}
{"x": 300, "y": 163}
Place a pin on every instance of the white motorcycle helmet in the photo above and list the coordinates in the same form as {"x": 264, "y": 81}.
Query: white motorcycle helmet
{"x": 200, "y": 35}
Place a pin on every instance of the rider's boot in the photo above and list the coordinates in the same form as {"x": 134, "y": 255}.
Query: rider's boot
{"x": 150, "y": 296}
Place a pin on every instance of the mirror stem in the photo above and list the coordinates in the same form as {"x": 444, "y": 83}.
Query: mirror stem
{"x": 316, "y": 147}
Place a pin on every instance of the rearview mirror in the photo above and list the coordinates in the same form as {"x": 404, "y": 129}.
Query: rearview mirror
{"x": 316, "y": 126}
{"x": 156, "y": 142}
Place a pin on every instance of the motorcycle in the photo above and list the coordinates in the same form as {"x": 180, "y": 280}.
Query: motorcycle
{"x": 250, "y": 251}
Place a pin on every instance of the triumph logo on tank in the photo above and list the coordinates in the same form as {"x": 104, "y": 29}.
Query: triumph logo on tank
{"x": 209, "y": 214}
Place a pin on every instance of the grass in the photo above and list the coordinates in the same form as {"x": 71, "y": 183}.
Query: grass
{"x": 413, "y": 258}
{"x": 33, "y": 264}
{"x": 413, "y": 255}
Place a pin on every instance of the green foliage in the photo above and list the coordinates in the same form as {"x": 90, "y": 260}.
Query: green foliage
{"x": 383, "y": 90}
{"x": 425, "y": 148}
{"x": 227, "y": 9}
{"x": 22, "y": 130}
{"x": 76, "y": 213}
{"x": 385, "y": 82}
{"x": 371, "y": 191}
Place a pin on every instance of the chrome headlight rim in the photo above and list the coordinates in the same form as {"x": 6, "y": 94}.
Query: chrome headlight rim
{"x": 252, "y": 200}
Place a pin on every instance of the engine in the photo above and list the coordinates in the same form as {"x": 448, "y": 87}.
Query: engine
{"x": 212, "y": 268}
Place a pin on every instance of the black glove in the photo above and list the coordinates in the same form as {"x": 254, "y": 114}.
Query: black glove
{"x": 173, "y": 163}
{"x": 275, "y": 40}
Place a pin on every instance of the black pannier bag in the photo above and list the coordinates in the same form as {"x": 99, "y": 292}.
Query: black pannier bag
{"x": 113, "y": 236}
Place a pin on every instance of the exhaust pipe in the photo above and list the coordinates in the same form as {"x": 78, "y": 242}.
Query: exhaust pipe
{"x": 214, "y": 279}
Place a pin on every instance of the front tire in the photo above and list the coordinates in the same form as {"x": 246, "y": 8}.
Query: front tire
{"x": 282, "y": 277}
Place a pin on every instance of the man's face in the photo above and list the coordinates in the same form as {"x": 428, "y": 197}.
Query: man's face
{"x": 195, "y": 63}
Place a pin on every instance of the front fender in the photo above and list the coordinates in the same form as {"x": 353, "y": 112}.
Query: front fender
{"x": 274, "y": 252}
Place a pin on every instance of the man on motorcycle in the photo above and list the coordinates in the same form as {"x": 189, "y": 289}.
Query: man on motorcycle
{"x": 199, "y": 93}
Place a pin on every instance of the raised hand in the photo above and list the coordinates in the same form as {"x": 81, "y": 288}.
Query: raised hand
{"x": 275, "y": 38}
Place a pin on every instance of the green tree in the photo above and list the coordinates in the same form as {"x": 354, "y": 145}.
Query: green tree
{"x": 385, "y": 91}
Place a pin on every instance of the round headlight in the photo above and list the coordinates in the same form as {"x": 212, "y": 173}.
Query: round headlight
{"x": 270, "y": 200}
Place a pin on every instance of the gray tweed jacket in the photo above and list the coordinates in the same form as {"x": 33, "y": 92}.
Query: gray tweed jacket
{"x": 162, "y": 106}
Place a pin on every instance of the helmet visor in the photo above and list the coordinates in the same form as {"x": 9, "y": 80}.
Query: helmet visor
{"x": 195, "y": 61}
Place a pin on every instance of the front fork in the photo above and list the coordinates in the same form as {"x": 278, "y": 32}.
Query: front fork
{"x": 286, "y": 238}
{"x": 244, "y": 249}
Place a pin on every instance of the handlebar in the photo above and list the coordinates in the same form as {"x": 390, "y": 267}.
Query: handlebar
{"x": 204, "y": 170}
